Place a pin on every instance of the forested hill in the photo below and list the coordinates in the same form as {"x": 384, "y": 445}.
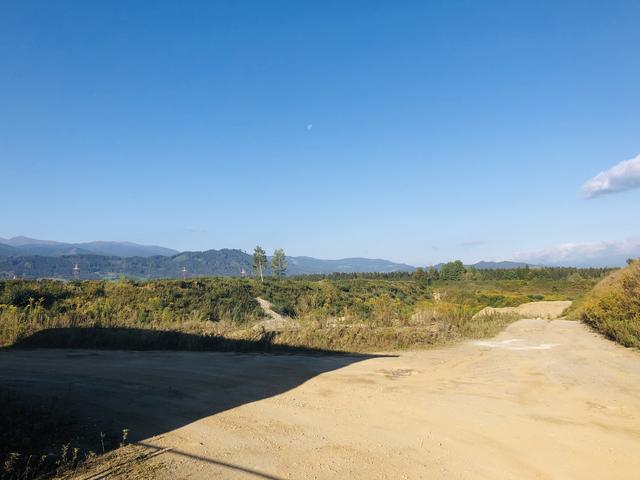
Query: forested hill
{"x": 225, "y": 262}
{"x": 309, "y": 265}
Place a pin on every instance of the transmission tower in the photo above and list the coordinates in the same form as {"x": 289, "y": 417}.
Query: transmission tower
{"x": 76, "y": 271}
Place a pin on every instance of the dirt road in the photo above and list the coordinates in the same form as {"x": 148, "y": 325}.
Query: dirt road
{"x": 543, "y": 400}
{"x": 548, "y": 310}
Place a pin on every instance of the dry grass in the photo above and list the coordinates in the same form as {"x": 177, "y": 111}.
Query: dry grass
{"x": 431, "y": 324}
{"x": 355, "y": 315}
{"x": 129, "y": 462}
{"x": 613, "y": 307}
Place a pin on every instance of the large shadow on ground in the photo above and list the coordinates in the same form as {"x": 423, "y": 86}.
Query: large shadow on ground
{"x": 152, "y": 384}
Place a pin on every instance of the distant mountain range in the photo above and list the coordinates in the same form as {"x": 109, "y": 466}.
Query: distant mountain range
{"x": 20, "y": 246}
{"x": 24, "y": 257}
{"x": 32, "y": 258}
{"x": 225, "y": 262}
{"x": 309, "y": 265}
{"x": 212, "y": 262}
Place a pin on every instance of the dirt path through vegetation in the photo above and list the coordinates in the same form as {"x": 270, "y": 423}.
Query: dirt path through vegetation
{"x": 542, "y": 400}
{"x": 274, "y": 321}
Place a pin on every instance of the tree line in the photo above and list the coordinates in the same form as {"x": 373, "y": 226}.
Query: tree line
{"x": 456, "y": 271}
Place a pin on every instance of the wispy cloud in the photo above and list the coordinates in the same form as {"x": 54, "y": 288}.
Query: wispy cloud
{"x": 604, "y": 253}
{"x": 472, "y": 243}
{"x": 623, "y": 176}
{"x": 195, "y": 230}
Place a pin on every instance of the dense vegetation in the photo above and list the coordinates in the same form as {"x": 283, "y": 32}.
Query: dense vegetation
{"x": 613, "y": 307}
{"x": 470, "y": 273}
{"x": 30, "y": 306}
{"x": 342, "y": 311}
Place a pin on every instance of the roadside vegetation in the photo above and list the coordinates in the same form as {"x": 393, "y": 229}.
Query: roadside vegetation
{"x": 350, "y": 312}
{"x": 197, "y": 306}
{"x": 613, "y": 306}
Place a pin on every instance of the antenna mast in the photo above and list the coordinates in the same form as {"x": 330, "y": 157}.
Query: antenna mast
{"x": 76, "y": 271}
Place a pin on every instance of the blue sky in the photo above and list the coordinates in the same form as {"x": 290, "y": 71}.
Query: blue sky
{"x": 413, "y": 131}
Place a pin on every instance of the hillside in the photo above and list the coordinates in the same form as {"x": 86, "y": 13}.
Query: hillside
{"x": 483, "y": 265}
{"x": 309, "y": 265}
{"x": 8, "y": 250}
{"x": 25, "y": 246}
{"x": 225, "y": 262}
{"x": 612, "y": 307}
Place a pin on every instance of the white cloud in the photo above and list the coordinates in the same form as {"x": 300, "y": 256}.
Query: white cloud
{"x": 623, "y": 176}
{"x": 604, "y": 253}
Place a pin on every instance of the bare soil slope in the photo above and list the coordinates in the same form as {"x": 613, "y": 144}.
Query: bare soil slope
{"x": 543, "y": 400}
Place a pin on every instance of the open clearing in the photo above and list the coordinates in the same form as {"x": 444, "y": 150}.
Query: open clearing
{"x": 542, "y": 400}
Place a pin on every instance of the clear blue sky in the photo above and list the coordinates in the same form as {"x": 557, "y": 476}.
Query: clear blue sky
{"x": 414, "y": 131}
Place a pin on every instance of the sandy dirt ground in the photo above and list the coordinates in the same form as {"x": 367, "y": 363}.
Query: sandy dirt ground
{"x": 542, "y": 400}
{"x": 548, "y": 309}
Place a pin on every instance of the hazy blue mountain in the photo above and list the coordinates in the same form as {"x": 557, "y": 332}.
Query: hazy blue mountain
{"x": 482, "y": 265}
{"x": 102, "y": 259}
{"x": 225, "y": 262}
{"x": 8, "y": 250}
{"x": 32, "y": 246}
{"x": 126, "y": 249}
{"x": 34, "y": 258}
{"x": 212, "y": 262}
{"x": 309, "y": 265}
{"x": 21, "y": 240}
{"x": 45, "y": 250}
